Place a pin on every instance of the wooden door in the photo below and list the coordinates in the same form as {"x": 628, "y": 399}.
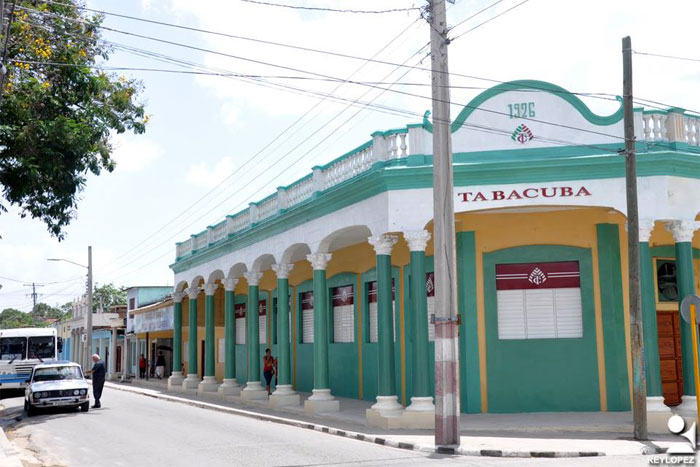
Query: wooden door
{"x": 670, "y": 356}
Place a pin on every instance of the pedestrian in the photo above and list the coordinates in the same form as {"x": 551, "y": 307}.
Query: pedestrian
{"x": 143, "y": 364}
{"x": 98, "y": 379}
{"x": 160, "y": 365}
{"x": 268, "y": 369}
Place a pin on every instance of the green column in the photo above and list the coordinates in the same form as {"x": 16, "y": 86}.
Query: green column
{"x": 319, "y": 261}
{"x": 251, "y": 317}
{"x": 284, "y": 362}
{"x": 683, "y": 234}
{"x": 192, "y": 339}
{"x": 419, "y": 313}
{"x": 209, "y": 337}
{"x": 177, "y": 332}
{"x": 230, "y": 331}
{"x": 386, "y": 383}
{"x": 651, "y": 334}
{"x": 612, "y": 305}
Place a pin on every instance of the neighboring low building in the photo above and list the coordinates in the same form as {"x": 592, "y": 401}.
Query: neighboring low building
{"x": 138, "y": 297}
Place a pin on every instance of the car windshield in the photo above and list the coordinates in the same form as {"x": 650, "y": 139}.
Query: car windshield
{"x": 12, "y": 348}
{"x": 56, "y": 373}
{"x": 41, "y": 347}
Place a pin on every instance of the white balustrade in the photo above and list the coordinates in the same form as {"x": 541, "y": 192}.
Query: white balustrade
{"x": 692, "y": 134}
{"x": 267, "y": 208}
{"x": 654, "y": 125}
{"x": 200, "y": 241}
{"x": 184, "y": 249}
{"x": 240, "y": 221}
{"x": 349, "y": 167}
{"x": 217, "y": 232}
{"x": 300, "y": 191}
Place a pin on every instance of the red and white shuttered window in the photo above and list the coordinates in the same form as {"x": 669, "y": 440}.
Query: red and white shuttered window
{"x": 343, "y": 300}
{"x": 372, "y": 302}
{"x": 539, "y": 300}
{"x": 239, "y": 310}
{"x": 307, "y": 318}
{"x": 430, "y": 291}
{"x": 262, "y": 322}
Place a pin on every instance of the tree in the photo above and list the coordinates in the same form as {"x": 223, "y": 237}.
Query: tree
{"x": 11, "y": 318}
{"x": 43, "y": 310}
{"x": 58, "y": 110}
{"x": 107, "y": 296}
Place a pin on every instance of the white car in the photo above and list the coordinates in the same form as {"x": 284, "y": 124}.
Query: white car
{"x": 56, "y": 384}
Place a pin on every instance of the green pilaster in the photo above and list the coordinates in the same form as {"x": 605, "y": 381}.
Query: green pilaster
{"x": 611, "y": 300}
{"x": 419, "y": 315}
{"x": 192, "y": 339}
{"x": 209, "y": 334}
{"x": 651, "y": 334}
{"x": 320, "y": 330}
{"x": 283, "y": 365}
{"x": 387, "y": 376}
{"x": 686, "y": 286}
{"x": 469, "y": 342}
{"x": 230, "y": 336}
{"x": 253, "y": 341}
{"x": 177, "y": 335}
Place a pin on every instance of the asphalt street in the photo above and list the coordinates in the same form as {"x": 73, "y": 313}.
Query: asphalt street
{"x": 134, "y": 430}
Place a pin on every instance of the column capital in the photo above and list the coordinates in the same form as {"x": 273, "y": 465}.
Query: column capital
{"x": 319, "y": 261}
{"x": 646, "y": 225}
{"x": 682, "y": 230}
{"x": 192, "y": 292}
{"x": 253, "y": 277}
{"x": 210, "y": 288}
{"x": 230, "y": 284}
{"x": 417, "y": 239}
{"x": 383, "y": 243}
{"x": 178, "y": 296}
{"x": 282, "y": 270}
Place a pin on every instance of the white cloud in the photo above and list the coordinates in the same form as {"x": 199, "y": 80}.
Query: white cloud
{"x": 201, "y": 175}
{"x": 134, "y": 152}
{"x": 230, "y": 113}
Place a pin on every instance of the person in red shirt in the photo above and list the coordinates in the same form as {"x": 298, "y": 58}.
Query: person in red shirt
{"x": 268, "y": 369}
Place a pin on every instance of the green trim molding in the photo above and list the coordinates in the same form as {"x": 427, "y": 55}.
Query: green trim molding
{"x": 530, "y": 85}
{"x": 541, "y": 375}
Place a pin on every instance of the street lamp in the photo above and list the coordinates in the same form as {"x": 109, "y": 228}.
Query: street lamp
{"x": 88, "y": 324}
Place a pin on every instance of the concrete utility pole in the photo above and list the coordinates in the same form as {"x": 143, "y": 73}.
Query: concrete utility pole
{"x": 446, "y": 328}
{"x": 639, "y": 389}
{"x": 33, "y": 285}
{"x": 88, "y": 319}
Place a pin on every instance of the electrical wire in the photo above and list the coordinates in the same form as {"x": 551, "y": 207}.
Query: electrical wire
{"x": 489, "y": 20}
{"x": 333, "y": 10}
{"x": 672, "y": 57}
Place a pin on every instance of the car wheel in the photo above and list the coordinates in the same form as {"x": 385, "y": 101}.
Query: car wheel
{"x": 31, "y": 410}
{"x": 85, "y": 406}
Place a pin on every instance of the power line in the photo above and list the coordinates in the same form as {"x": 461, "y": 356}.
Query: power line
{"x": 333, "y": 10}
{"x": 672, "y": 57}
{"x": 489, "y": 20}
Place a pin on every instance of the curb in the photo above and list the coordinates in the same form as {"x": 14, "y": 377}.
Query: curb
{"x": 357, "y": 435}
{"x": 9, "y": 457}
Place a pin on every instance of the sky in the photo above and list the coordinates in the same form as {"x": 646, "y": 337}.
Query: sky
{"x": 216, "y": 142}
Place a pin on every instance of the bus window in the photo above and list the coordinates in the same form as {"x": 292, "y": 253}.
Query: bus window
{"x": 12, "y": 348}
{"x": 41, "y": 347}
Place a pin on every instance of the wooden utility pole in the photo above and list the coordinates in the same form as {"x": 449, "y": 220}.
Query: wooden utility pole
{"x": 639, "y": 381}
{"x": 446, "y": 328}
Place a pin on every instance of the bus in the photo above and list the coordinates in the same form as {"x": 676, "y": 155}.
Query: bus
{"x": 23, "y": 348}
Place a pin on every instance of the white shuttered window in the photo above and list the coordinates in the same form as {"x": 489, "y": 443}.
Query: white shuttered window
{"x": 343, "y": 300}
{"x": 262, "y": 322}
{"x": 185, "y": 351}
{"x": 372, "y": 308}
{"x": 536, "y": 301}
{"x": 240, "y": 324}
{"x": 222, "y": 351}
{"x": 307, "y": 318}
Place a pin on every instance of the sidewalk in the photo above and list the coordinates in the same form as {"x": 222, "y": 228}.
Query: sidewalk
{"x": 568, "y": 434}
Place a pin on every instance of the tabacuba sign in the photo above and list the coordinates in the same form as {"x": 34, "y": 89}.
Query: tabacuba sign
{"x": 523, "y": 193}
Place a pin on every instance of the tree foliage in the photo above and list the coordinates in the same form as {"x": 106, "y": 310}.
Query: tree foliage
{"x": 11, "y": 318}
{"x": 58, "y": 110}
{"x": 106, "y": 296}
